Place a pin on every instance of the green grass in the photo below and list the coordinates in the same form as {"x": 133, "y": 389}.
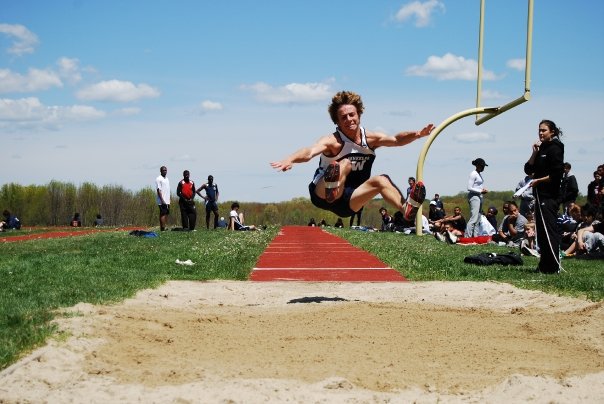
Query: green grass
{"x": 39, "y": 277}
{"x": 425, "y": 259}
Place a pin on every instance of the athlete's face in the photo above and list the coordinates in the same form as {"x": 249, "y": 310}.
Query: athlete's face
{"x": 348, "y": 118}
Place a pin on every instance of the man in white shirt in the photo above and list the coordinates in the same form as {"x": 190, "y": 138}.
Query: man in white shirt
{"x": 162, "y": 186}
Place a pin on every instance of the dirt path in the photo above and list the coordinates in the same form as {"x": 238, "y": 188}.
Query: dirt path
{"x": 243, "y": 342}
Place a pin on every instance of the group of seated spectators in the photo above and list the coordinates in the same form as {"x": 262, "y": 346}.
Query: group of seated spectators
{"x": 581, "y": 226}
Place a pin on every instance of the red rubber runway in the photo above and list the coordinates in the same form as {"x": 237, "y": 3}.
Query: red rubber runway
{"x": 304, "y": 253}
{"x": 59, "y": 234}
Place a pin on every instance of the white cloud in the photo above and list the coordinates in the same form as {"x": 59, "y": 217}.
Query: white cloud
{"x": 31, "y": 111}
{"x": 474, "y": 137}
{"x": 185, "y": 158}
{"x": 450, "y": 67}
{"x": 24, "y": 40}
{"x": 421, "y": 11}
{"x": 117, "y": 91}
{"x": 69, "y": 69}
{"x": 293, "y": 93}
{"x": 516, "y": 64}
{"x": 35, "y": 80}
{"x": 128, "y": 111}
{"x": 208, "y": 105}
{"x": 491, "y": 94}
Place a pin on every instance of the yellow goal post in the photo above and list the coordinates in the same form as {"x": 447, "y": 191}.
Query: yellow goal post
{"x": 482, "y": 114}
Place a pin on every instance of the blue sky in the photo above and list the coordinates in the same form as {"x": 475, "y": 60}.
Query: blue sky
{"x": 108, "y": 91}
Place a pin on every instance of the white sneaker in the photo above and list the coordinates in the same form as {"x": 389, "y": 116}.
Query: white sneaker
{"x": 529, "y": 251}
{"x": 451, "y": 238}
{"x": 439, "y": 236}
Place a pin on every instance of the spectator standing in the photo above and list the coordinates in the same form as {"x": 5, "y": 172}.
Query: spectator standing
{"x": 162, "y": 189}
{"x": 546, "y": 163}
{"x": 569, "y": 190}
{"x": 339, "y": 223}
{"x": 411, "y": 182}
{"x": 211, "y": 199}
{"x": 186, "y": 201}
{"x": 595, "y": 190}
{"x": 439, "y": 203}
{"x": 475, "y": 192}
{"x": 527, "y": 200}
{"x": 358, "y": 216}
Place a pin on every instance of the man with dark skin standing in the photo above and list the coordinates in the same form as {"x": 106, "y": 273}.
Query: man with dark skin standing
{"x": 186, "y": 195}
{"x": 162, "y": 187}
{"x": 211, "y": 199}
{"x": 343, "y": 183}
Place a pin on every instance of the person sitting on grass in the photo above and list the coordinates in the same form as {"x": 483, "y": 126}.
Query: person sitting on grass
{"x": 387, "y": 220}
{"x": 10, "y": 222}
{"x": 236, "y": 220}
{"x": 451, "y": 227}
{"x": 590, "y": 239}
{"x": 528, "y": 245}
{"x": 512, "y": 228}
{"x": 75, "y": 220}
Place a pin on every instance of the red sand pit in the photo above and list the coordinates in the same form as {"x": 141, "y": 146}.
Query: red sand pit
{"x": 303, "y": 253}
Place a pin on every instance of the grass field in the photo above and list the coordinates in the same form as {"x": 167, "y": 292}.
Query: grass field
{"x": 39, "y": 277}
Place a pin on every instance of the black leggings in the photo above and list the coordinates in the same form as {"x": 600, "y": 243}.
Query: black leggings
{"x": 548, "y": 233}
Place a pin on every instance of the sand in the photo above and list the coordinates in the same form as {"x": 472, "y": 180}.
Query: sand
{"x": 244, "y": 342}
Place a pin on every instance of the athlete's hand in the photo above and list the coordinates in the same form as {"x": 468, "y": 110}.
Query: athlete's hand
{"x": 283, "y": 165}
{"x": 426, "y": 131}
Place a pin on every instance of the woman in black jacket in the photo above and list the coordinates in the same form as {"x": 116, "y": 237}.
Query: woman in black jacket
{"x": 547, "y": 166}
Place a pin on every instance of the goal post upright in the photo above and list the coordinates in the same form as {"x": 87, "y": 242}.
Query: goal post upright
{"x": 482, "y": 114}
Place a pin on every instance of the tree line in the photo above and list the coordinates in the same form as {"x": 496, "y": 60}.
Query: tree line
{"x": 55, "y": 203}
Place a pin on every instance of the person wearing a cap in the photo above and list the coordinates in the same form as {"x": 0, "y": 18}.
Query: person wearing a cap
{"x": 434, "y": 213}
{"x": 475, "y": 192}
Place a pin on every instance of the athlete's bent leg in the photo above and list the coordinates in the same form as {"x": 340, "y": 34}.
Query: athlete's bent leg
{"x": 381, "y": 184}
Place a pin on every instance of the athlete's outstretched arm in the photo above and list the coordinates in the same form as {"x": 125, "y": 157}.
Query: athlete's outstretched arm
{"x": 400, "y": 139}
{"x": 304, "y": 154}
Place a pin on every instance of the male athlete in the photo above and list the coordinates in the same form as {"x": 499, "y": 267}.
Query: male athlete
{"x": 343, "y": 184}
{"x": 211, "y": 199}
